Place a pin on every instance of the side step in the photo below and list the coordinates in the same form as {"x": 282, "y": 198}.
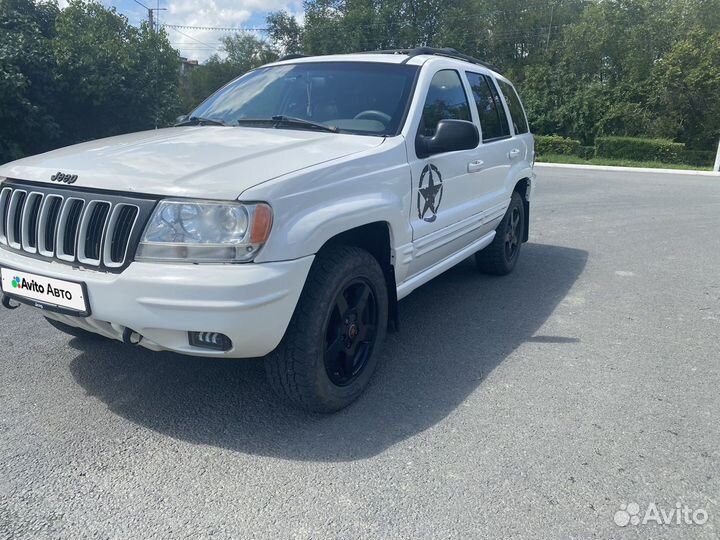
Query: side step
{"x": 410, "y": 284}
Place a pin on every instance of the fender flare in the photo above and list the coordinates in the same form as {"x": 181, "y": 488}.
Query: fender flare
{"x": 312, "y": 229}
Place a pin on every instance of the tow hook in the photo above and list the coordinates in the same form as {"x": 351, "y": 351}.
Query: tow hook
{"x": 7, "y": 303}
{"x": 131, "y": 337}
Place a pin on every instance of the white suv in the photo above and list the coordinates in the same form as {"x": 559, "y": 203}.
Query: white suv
{"x": 284, "y": 217}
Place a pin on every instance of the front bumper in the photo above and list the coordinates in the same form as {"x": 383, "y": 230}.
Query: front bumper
{"x": 250, "y": 303}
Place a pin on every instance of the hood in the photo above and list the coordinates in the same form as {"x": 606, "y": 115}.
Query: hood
{"x": 209, "y": 162}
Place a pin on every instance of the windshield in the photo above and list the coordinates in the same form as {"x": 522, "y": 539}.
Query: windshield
{"x": 356, "y": 97}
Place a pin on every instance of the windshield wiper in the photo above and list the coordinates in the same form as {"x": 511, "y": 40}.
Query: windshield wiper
{"x": 200, "y": 121}
{"x": 258, "y": 121}
{"x": 292, "y": 121}
{"x": 280, "y": 119}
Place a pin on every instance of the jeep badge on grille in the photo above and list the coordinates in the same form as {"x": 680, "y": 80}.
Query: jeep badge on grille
{"x": 64, "y": 178}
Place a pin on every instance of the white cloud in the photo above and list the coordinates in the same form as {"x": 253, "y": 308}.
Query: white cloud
{"x": 201, "y": 44}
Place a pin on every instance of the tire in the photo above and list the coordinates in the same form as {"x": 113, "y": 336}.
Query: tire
{"x": 501, "y": 256}
{"x": 71, "y": 330}
{"x": 329, "y": 352}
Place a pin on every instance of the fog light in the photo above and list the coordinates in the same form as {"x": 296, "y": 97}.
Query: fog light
{"x": 210, "y": 340}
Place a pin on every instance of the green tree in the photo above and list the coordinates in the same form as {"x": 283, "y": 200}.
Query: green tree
{"x": 114, "y": 78}
{"x": 285, "y": 32}
{"x": 687, "y": 82}
{"x": 245, "y": 51}
{"x": 27, "y": 93}
{"x": 584, "y": 67}
{"x": 205, "y": 79}
{"x": 156, "y": 81}
{"x": 324, "y": 32}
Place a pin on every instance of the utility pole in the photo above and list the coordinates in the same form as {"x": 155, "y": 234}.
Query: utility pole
{"x": 154, "y": 28}
{"x": 151, "y": 15}
{"x": 547, "y": 43}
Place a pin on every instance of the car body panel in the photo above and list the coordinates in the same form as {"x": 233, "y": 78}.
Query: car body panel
{"x": 250, "y": 303}
{"x": 472, "y": 203}
{"x": 207, "y": 162}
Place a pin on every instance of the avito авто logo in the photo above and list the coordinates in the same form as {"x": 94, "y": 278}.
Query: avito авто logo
{"x": 21, "y": 283}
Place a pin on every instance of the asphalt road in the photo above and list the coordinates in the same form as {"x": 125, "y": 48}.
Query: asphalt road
{"x": 530, "y": 406}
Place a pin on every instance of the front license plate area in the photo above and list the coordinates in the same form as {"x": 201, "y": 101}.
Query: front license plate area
{"x": 46, "y": 293}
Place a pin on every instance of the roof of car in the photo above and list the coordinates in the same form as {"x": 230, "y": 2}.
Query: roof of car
{"x": 354, "y": 57}
{"x": 415, "y": 57}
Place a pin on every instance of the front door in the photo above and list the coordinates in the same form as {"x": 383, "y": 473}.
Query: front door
{"x": 444, "y": 185}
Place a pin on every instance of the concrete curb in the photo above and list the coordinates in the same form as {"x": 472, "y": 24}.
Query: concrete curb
{"x": 626, "y": 169}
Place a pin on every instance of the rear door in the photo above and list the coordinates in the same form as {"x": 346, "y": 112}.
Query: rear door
{"x": 521, "y": 130}
{"x": 497, "y": 149}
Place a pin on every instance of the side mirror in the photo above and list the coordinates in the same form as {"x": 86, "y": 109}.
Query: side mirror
{"x": 450, "y": 136}
{"x": 181, "y": 118}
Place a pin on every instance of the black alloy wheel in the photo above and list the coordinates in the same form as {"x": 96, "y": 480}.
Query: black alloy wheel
{"x": 513, "y": 234}
{"x": 329, "y": 352}
{"x": 351, "y": 331}
{"x": 501, "y": 256}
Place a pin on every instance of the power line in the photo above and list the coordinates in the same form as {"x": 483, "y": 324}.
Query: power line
{"x": 190, "y": 37}
{"x": 369, "y": 43}
{"x": 217, "y": 28}
{"x": 508, "y": 35}
{"x": 540, "y": 6}
{"x": 151, "y": 15}
{"x": 370, "y": 25}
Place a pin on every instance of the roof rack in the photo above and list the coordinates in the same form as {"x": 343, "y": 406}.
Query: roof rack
{"x": 292, "y": 56}
{"x": 434, "y": 51}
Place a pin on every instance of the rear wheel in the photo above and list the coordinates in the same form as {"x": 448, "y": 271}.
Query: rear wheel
{"x": 329, "y": 352}
{"x": 501, "y": 256}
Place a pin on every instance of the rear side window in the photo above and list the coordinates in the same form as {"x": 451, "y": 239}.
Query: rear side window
{"x": 493, "y": 119}
{"x": 513, "y": 101}
{"x": 446, "y": 100}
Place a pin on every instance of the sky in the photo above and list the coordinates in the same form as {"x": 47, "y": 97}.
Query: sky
{"x": 196, "y": 43}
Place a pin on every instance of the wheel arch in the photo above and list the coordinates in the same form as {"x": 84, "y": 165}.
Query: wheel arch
{"x": 377, "y": 239}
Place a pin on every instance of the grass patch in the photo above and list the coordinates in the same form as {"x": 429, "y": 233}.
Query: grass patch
{"x": 557, "y": 158}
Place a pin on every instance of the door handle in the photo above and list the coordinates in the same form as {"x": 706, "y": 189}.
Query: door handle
{"x": 515, "y": 152}
{"x": 476, "y": 165}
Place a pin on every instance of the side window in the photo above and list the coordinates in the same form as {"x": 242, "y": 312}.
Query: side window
{"x": 446, "y": 100}
{"x": 513, "y": 101}
{"x": 493, "y": 119}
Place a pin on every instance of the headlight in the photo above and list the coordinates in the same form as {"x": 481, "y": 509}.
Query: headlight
{"x": 201, "y": 231}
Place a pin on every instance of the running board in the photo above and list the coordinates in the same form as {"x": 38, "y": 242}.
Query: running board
{"x": 409, "y": 285}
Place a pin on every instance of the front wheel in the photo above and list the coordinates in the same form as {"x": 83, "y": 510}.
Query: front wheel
{"x": 329, "y": 352}
{"x": 501, "y": 256}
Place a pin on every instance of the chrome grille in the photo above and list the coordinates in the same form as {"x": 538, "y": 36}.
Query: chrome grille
{"x": 80, "y": 227}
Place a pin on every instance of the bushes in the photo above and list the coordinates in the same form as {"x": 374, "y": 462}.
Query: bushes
{"x": 624, "y": 148}
{"x": 638, "y": 149}
{"x": 555, "y": 144}
{"x": 699, "y": 158}
{"x": 586, "y": 152}
{"x": 661, "y": 150}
